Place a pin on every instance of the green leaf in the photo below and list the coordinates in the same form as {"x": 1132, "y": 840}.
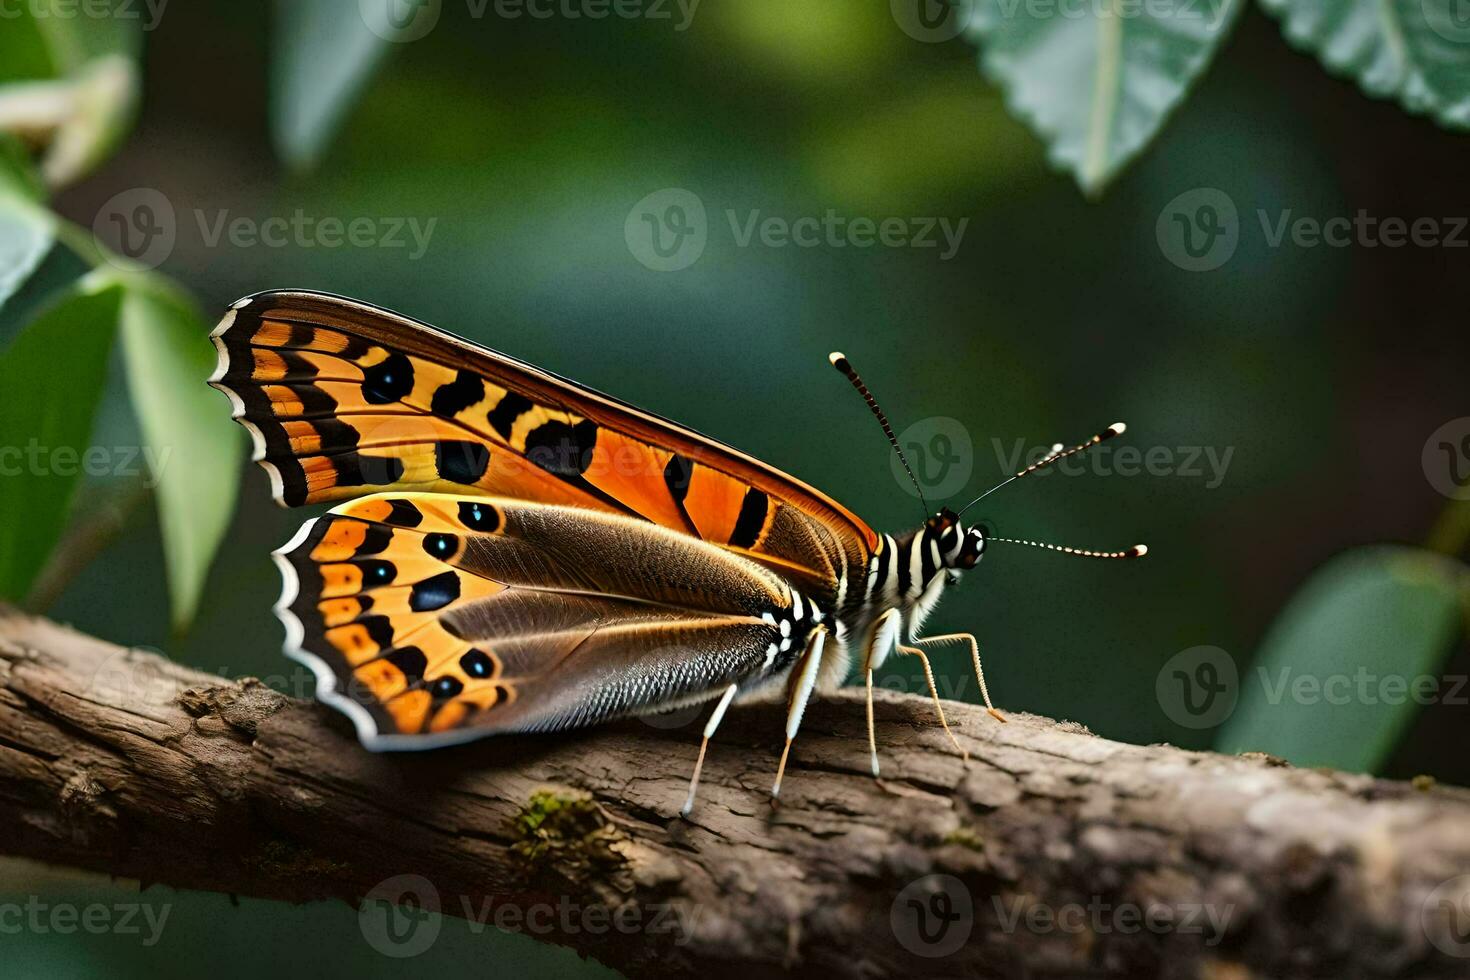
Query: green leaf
{"x": 27, "y": 233}
{"x": 1414, "y": 51}
{"x": 1096, "y": 81}
{"x": 103, "y": 102}
{"x": 74, "y": 89}
{"x": 18, "y": 175}
{"x": 24, "y": 53}
{"x": 196, "y": 448}
{"x": 1334, "y": 684}
{"x": 58, "y": 272}
{"x": 52, "y": 377}
{"x": 325, "y": 54}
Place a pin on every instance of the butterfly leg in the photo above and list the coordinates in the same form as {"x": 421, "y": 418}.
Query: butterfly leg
{"x": 803, "y": 679}
{"x": 934, "y": 693}
{"x": 974, "y": 655}
{"x": 709, "y": 730}
{"x": 884, "y": 635}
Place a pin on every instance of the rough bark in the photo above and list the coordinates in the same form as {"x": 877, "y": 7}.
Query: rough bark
{"x": 1060, "y": 853}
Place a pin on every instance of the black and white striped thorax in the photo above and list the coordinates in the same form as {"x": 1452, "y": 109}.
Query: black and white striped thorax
{"x": 909, "y": 572}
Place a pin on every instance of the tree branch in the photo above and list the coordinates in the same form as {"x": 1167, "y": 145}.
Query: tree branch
{"x": 1051, "y": 852}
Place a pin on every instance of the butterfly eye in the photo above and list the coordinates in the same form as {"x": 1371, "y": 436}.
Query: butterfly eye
{"x": 974, "y": 547}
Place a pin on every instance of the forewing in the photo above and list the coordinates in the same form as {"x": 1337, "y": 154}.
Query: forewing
{"x": 432, "y": 618}
{"x": 343, "y": 398}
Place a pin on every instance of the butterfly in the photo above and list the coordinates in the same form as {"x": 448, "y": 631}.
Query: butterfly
{"x": 515, "y": 552}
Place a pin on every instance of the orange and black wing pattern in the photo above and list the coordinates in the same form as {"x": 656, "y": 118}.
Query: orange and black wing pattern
{"x": 342, "y": 399}
{"x": 431, "y": 618}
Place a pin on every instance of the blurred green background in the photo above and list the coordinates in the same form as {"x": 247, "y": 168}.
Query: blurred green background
{"x": 1321, "y": 370}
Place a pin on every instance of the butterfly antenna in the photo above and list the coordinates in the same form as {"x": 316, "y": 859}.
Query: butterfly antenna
{"x": 1058, "y": 452}
{"x": 1137, "y": 551}
{"x": 840, "y": 362}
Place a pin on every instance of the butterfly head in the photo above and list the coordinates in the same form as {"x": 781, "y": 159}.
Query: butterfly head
{"x": 959, "y": 547}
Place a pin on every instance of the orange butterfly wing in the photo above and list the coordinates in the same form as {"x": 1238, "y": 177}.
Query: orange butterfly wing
{"x": 343, "y": 398}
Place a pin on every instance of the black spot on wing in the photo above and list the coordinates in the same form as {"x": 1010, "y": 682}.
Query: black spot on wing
{"x": 441, "y": 546}
{"x": 380, "y": 628}
{"x": 465, "y": 390}
{"x": 502, "y": 417}
{"x": 401, "y": 513}
{"x": 445, "y": 688}
{"x": 358, "y": 470}
{"x": 677, "y": 475}
{"x": 411, "y": 661}
{"x": 293, "y": 482}
{"x": 461, "y": 462}
{"x": 476, "y": 663}
{"x": 389, "y": 381}
{"x": 479, "y": 517}
{"x": 435, "y": 592}
{"x": 751, "y": 519}
{"x": 561, "y": 449}
{"x": 376, "y": 571}
{"x": 375, "y": 541}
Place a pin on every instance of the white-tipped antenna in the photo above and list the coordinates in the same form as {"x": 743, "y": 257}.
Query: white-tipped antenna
{"x": 1057, "y": 453}
{"x": 1137, "y": 551}
{"x": 840, "y": 362}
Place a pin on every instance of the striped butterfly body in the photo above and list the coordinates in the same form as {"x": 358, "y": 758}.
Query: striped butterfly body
{"x": 516, "y": 552}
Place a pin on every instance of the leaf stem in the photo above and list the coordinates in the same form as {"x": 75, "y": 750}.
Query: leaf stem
{"x": 1451, "y": 532}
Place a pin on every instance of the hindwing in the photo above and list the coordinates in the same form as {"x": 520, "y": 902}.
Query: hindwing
{"x": 431, "y": 618}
